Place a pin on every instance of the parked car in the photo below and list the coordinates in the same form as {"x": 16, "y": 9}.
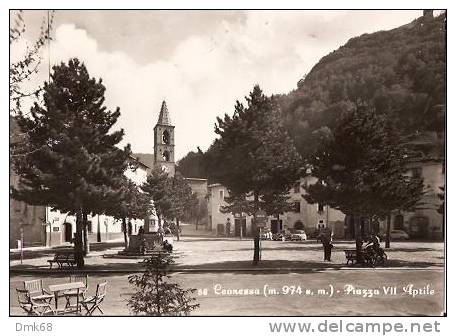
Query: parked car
{"x": 399, "y": 235}
{"x": 298, "y": 235}
{"x": 313, "y": 234}
{"x": 266, "y": 234}
{"x": 279, "y": 236}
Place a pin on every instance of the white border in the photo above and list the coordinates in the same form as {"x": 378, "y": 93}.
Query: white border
{"x": 206, "y": 325}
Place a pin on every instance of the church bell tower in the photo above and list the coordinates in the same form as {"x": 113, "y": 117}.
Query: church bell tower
{"x": 164, "y": 142}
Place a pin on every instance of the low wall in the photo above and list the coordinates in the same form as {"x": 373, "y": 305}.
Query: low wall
{"x": 105, "y": 236}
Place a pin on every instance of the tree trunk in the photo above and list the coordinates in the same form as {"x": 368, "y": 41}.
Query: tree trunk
{"x": 98, "y": 230}
{"x": 85, "y": 234}
{"x": 196, "y": 223}
{"x": 255, "y": 210}
{"x": 256, "y": 250}
{"x": 78, "y": 248}
{"x": 178, "y": 229}
{"x": 159, "y": 220}
{"x": 388, "y": 231}
{"x": 125, "y": 234}
{"x": 358, "y": 239}
{"x": 369, "y": 230}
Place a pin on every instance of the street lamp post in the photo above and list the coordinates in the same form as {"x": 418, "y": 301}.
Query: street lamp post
{"x": 22, "y": 244}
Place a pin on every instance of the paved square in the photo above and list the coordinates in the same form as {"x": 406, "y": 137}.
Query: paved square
{"x": 220, "y": 269}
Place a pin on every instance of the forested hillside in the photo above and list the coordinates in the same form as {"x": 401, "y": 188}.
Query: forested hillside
{"x": 400, "y": 72}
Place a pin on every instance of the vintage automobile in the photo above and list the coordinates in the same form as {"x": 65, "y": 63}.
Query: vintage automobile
{"x": 279, "y": 236}
{"x": 398, "y": 235}
{"x": 298, "y": 235}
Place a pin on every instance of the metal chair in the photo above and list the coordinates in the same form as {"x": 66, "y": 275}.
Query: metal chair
{"x": 33, "y": 306}
{"x": 74, "y": 293}
{"x": 92, "y": 303}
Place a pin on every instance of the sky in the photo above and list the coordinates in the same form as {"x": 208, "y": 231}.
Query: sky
{"x": 200, "y": 62}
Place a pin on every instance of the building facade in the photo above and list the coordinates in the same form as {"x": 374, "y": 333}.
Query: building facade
{"x": 305, "y": 216}
{"x": 26, "y": 222}
{"x": 427, "y": 221}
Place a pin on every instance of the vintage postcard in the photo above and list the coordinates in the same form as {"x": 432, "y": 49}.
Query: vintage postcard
{"x": 227, "y": 163}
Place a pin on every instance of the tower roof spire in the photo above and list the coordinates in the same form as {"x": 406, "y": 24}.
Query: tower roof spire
{"x": 163, "y": 118}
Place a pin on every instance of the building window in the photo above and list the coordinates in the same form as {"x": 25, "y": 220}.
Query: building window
{"x": 297, "y": 206}
{"x": 89, "y": 227}
{"x": 221, "y": 195}
{"x": 297, "y": 187}
{"x": 165, "y": 137}
{"x": 165, "y": 156}
{"x": 320, "y": 207}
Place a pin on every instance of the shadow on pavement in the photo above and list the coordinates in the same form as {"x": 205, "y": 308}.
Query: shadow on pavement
{"x": 95, "y": 247}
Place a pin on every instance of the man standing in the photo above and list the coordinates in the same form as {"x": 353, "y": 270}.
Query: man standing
{"x": 327, "y": 246}
{"x": 228, "y": 227}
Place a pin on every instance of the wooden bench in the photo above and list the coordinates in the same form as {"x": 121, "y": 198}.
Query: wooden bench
{"x": 350, "y": 255}
{"x": 62, "y": 259}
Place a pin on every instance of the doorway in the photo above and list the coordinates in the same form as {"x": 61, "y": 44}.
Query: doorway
{"x": 238, "y": 224}
{"x": 68, "y": 232}
{"x": 398, "y": 222}
{"x": 298, "y": 225}
{"x": 276, "y": 226}
{"x": 419, "y": 227}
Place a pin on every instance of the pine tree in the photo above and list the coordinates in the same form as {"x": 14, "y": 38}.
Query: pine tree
{"x": 74, "y": 164}
{"x": 254, "y": 152}
{"x": 361, "y": 168}
{"x": 275, "y": 203}
{"x": 155, "y": 295}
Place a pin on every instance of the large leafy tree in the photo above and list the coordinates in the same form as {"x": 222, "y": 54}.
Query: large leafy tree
{"x": 181, "y": 199}
{"x": 198, "y": 210}
{"x": 192, "y": 164}
{"x": 158, "y": 188}
{"x": 362, "y": 168}
{"x": 131, "y": 204}
{"x": 254, "y": 154}
{"x": 74, "y": 163}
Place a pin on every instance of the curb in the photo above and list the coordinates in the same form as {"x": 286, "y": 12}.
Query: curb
{"x": 220, "y": 270}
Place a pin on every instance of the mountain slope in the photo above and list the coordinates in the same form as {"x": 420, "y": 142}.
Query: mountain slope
{"x": 400, "y": 72}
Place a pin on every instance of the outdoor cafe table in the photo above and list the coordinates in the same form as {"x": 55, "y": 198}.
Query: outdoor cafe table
{"x": 64, "y": 287}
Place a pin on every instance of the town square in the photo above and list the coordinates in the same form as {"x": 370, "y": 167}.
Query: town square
{"x": 227, "y": 163}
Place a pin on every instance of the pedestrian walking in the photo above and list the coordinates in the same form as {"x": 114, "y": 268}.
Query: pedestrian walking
{"x": 130, "y": 228}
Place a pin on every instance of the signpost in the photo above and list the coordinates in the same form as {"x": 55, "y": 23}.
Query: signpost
{"x": 22, "y": 244}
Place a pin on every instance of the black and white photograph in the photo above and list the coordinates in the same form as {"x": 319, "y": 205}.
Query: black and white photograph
{"x": 228, "y": 163}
